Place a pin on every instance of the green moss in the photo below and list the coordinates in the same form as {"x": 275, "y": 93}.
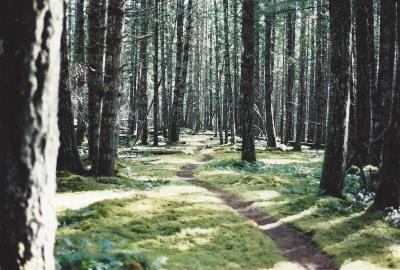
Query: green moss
{"x": 179, "y": 232}
{"x": 343, "y": 228}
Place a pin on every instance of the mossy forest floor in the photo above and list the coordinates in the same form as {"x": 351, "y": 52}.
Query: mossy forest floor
{"x": 149, "y": 218}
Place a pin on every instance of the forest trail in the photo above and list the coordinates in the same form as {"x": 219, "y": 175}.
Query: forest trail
{"x": 297, "y": 247}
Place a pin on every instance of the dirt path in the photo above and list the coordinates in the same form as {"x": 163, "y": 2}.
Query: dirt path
{"x": 296, "y": 247}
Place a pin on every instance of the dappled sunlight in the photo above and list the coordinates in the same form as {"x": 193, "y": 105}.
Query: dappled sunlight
{"x": 291, "y": 218}
{"x": 173, "y": 190}
{"x": 360, "y": 265}
{"x": 78, "y": 200}
{"x": 286, "y": 266}
{"x": 260, "y": 195}
{"x": 394, "y": 250}
{"x": 267, "y": 204}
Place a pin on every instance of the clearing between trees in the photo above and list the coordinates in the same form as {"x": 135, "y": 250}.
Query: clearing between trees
{"x": 200, "y": 208}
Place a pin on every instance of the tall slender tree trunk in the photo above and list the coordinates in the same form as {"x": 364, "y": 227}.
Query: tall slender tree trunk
{"x": 290, "y": 54}
{"x": 155, "y": 73}
{"x": 143, "y": 126}
{"x": 333, "y": 172}
{"x": 301, "y": 104}
{"x": 112, "y": 81}
{"x": 361, "y": 141}
{"x": 30, "y": 35}
{"x": 269, "y": 116}
{"x": 247, "y": 77}
{"x": 68, "y": 155}
{"x": 236, "y": 79}
{"x": 319, "y": 96}
{"x": 218, "y": 125}
{"x": 95, "y": 56}
{"x": 383, "y": 94}
{"x": 388, "y": 194}
{"x": 164, "y": 97}
{"x": 79, "y": 59}
{"x": 228, "y": 80}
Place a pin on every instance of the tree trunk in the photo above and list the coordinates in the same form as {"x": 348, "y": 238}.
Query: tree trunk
{"x": 30, "y": 37}
{"x": 219, "y": 123}
{"x": 269, "y": 116}
{"x": 388, "y": 194}
{"x": 247, "y": 77}
{"x": 301, "y": 104}
{"x": 333, "y": 172}
{"x": 319, "y": 96}
{"x": 228, "y": 80}
{"x": 361, "y": 141}
{"x": 164, "y": 97}
{"x": 112, "y": 81}
{"x": 383, "y": 95}
{"x": 290, "y": 54}
{"x": 155, "y": 74}
{"x": 236, "y": 80}
{"x": 68, "y": 155}
{"x": 142, "y": 93}
{"x": 95, "y": 56}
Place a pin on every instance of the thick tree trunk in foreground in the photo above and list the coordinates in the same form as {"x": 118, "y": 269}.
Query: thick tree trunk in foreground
{"x": 95, "y": 57}
{"x": 247, "y": 90}
{"x": 68, "y": 155}
{"x": 333, "y": 172}
{"x": 388, "y": 194}
{"x": 112, "y": 81}
{"x": 30, "y": 34}
{"x": 383, "y": 95}
{"x": 269, "y": 116}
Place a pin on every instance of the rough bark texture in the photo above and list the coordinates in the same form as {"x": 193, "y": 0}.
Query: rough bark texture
{"x": 79, "y": 60}
{"x": 218, "y": 126}
{"x": 269, "y": 116}
{"x": 301, "y": 103}
{"x": 361, "y": 140}
{"x": 319, "y": 91}
{"x": 95, "y": 57}
{"x": 290, "y": 32}
{"x": 173, "y": 127}
{"x": 155, "y": 74}
{"x": 112, "y": 81}
{"x": 164, "y": 97}
{"x": 383, "y": 95}
{"x": 143, "y": 129}
{"x": 247, "y": 90}
{"x": 333, "y": 172}
{"x": 30, "y": 34}
{"x": 229, "y": 121}
{"x": 388, "y": 194}
{"x": 68, "y": 155}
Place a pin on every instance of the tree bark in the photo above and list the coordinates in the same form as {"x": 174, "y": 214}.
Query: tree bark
{"x": 290, "y": 54}
{"x": 230, "y": 121}
{"x": 155, "y": 73}
{"x": 383, "y": 95}
{"x": 269, "y": 116}
{"x": 30, "y": 34}
{"x": 68, "y": 155}
{"x": 112, "y": 81}
{"x": 301, "y": 105}
{"x": 95, "y": 56}
{"x": 333, "y": 171}
{"x": 142, "y": 93}
{"x": 388, "y": 194}
{"x": 247, "y": 79}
